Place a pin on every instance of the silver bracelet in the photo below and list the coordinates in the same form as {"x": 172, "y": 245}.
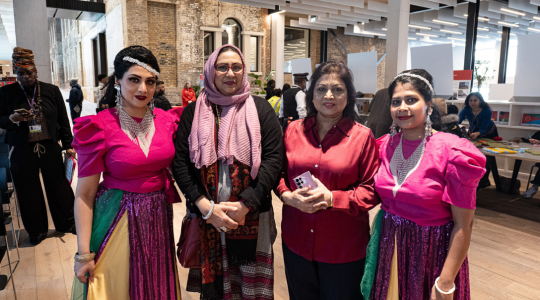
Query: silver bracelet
{"x": 441, "y": 291}
{"x": 210, "y": 212}
{"x": 84, "y": 258}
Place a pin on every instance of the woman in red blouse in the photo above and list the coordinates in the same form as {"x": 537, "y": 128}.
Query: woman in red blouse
{"x": 188, "y": 95}
{"x": 326, "y": 230}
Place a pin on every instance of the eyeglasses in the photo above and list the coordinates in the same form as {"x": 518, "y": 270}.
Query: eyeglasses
{"x": 224, "y": 68}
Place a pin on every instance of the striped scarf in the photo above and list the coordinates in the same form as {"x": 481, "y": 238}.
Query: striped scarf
{"x": 239, "y": 134}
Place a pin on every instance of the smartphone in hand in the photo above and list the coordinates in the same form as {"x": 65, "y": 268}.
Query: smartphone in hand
{"x": 22, "y": 111}
{"x": 305, "y": 180}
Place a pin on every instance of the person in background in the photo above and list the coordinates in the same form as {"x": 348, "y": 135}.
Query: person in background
{"x": 286, "y": 86}
{"x": 325, "y": 231}
{"x": 270, "y": 86}
{"x": 427, "y": 183}
{"x": 293, "y": 106}
{"x": 159, "y": 97}
{"x": 188, "y": 95}
{"x": 102, "y": 79}
{"x": 450, "y": 122}
{"x": 478, "y": 113}
{"x": 228, "y": 159}
{"x": 34, "y": 145}
{"x": 276, "y": 101}
{"x": 379, "y": 119}
{"x": 75, "y": 99}
{"x": 528, "y": 194}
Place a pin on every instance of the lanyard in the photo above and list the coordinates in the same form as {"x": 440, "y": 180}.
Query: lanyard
{"x": 28, "y": 99}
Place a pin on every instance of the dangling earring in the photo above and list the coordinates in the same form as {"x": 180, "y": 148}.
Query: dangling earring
{"x": 393, "y": 132}
{"x": 118, "y": 98}
{"x": 428, "y": 122}
{"x": 152, "y": 106}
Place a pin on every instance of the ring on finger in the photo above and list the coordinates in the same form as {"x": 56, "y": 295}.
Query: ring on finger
{"x": 223, "y": 228}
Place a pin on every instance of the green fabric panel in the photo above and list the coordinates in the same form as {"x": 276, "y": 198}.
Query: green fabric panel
{"x": 105, "y": 211}
{"x": 372, "y": 254}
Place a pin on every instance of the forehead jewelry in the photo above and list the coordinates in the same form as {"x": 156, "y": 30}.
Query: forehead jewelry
{"x": 140, "y": 63}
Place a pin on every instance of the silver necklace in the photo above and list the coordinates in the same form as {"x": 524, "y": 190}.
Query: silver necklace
{"x": 401, "y": 168}
{"x": 140, "y": 133}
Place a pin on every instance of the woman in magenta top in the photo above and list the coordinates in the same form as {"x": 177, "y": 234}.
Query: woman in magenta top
{"x": 326, "y": 231}
{"x": 124, "y": 224}
{"x": 427, "y": 183}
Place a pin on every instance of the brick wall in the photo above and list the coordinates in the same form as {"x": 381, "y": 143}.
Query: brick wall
{"x": 162, "y": 39}
{"x": 136, "y": 23}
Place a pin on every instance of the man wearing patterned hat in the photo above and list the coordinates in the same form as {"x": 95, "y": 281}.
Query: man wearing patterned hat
{"x": 34, "y": 115}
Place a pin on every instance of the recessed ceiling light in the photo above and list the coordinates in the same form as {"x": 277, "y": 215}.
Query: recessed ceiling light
{"x": 425, "y": 34}
{"x": 483, "y": 36}
{"x": 482, "y": 29}
{"x": 512, "y": 11}
{"x": 508, "y": 24}
{"x": 533, "y": 29}
{"x": 456, "y": 39}
{"x": 536, "y": 18}
{"x": 445, "y": 22}
{"x": 450, "y": 31}
{"x": 483, "y": 19}
{"x": 465, "y": 15}
{"x": 419, "y": 27}
{"x": 385, "y": 29}
{"x": 414, "y": 39}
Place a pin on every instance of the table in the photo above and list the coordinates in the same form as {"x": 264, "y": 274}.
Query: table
{"x": 519, "y": 157}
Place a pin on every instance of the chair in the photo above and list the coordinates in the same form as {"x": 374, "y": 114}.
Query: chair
{"x": 530, "y": 175}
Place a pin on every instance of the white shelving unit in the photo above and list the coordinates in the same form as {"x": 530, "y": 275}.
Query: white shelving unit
{"x": 510, "y": 131}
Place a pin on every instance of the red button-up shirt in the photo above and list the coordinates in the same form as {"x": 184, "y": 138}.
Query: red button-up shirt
{"x": 346, "y": 162}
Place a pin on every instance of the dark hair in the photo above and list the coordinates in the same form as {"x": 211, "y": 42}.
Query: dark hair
{"x": 185, "y": 85}
{"x": 121, "y": 66}
{"x": 483, "y": 103}
{"x": 277, "y": 92}
{"x": 228, "y": 48}
{"x": 286, "y": 86}
{"x": 159, "y": 82}
{"x": 101, "y": 76}
{"x": 271, "y": 82}
{"x": 345, "y": 74}
{"x": 423, "y": 89}
{"x": 451, "y": 109}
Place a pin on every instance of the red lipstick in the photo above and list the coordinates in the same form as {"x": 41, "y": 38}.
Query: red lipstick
{"x": 329, "y": 105}
{"x": 403, "y": 118}
{"x": 229, "y": 82}
{"x": 141, "y": 98}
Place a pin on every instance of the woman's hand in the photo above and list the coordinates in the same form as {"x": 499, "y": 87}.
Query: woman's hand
{"x": 474, "y": 135}
{"x": 321, "y": 191}
{"x": 82, "y": 268}
{"x": 238, "y": 215}
{"x": 219, "y": 216}
{"x": 301, "y": 200}
{"x": 436, "y": 295}
{"x": 534, "y": 142}
{"x": 72, "y": 153}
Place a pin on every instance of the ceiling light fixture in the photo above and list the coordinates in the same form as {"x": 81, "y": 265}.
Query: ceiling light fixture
{"x": 450, "y": 31}
{"x": 536, "y": 18}
{"x": 508, "y": 24}
{"x": 483, "y": 36}
{"x": 512, "y": 12}
{"x": 533, "y": 29}
{"x": 384, "y": 29}
{"x": 414, "y": 39}
{"x": 483, "y": 29}
{"x": 425, "y": 34}
{"x": 483, "y": 19}
{"x": 465, "y": 15}
{"x": 419, "y": 27}
{"x": 445, "y": 22}
{"x": 456, "y": 39}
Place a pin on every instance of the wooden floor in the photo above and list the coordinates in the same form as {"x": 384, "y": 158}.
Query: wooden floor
{"x": 504, "y": 255}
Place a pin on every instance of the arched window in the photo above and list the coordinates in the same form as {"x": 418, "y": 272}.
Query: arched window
{"x": 232, "y": 33}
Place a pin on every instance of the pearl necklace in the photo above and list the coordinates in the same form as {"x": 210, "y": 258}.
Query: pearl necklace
{"x": 400, "y": 167}
{"x": 139, "y": 133}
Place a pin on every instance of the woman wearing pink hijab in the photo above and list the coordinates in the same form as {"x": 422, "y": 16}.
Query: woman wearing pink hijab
{"x": 228, "y": 160}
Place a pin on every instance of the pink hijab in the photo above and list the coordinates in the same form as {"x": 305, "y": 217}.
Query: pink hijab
{"x": 239, "y": 134}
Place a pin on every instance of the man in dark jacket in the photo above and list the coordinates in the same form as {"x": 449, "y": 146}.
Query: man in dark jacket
{"x": 75, "y": 99}
{"x": 34, "y": 115}
{"x": 159, "y": 99}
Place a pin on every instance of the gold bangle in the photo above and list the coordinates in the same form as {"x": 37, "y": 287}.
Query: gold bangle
{"x": 331, "y": 201}
{"x": 84, "y": 258}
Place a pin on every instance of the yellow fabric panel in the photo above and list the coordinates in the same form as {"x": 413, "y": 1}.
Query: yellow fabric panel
{"x": 393, "y": 286}
{"x": 111, "y": 275}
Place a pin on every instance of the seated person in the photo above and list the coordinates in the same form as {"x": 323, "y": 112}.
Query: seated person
{"x": 275, "y": 100}
{"x": 528, "y": 194}
{"x": 478, "y": 113}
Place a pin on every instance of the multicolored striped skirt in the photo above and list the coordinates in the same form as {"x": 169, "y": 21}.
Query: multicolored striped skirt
{"x": 404, "y": 259}
{"x": 132, "y": 236}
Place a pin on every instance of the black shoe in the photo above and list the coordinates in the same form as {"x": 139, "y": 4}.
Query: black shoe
{"x": 36, "y": 239}
{"x": 72, "y": 230}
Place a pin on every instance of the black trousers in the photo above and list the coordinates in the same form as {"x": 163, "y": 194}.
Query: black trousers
{"x": 311, "y": 280}
{"x": 25, "y": 165}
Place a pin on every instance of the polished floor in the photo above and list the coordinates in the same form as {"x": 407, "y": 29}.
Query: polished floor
{"x": 504, "y": 255}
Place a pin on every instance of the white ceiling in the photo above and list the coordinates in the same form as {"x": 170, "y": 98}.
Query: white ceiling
{"x": 7, "y": 29}
{"x": 442, "y": 25}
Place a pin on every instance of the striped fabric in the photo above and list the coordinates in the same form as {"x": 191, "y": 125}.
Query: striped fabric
{"x": 239, "y": 132}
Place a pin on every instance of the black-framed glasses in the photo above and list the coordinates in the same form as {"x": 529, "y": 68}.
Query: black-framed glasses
{"x": 224, "y": 68}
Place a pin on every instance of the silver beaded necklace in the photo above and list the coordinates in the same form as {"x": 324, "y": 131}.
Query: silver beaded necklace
{"x": 400, "y": 167}
{"x": 140, "y": 133}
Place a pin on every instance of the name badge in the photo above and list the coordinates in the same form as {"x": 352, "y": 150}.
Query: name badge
{"x": 35, "y": 128}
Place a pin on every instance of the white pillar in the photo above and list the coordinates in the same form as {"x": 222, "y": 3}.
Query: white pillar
{"x": 231, "y": 31}
{"x": 278, "y": 47}
{"x": 397, "y": 38}
{"x": 218, "y": 42}
{"x": 32, "y": 33}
